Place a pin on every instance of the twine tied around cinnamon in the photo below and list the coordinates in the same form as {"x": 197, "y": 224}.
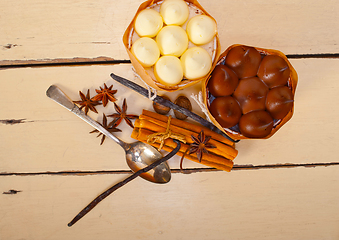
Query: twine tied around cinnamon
{"x": 162, "y": 136}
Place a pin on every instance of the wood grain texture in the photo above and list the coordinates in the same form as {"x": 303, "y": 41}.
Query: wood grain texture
{"x": 37, "y": 29}
{"x": 256, "y": 204}
{"x": 285, "y": 187}
{"x": 47, "y": 129}
{"x": 46, "y": 29}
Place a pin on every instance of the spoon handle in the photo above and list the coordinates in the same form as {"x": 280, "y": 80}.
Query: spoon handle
{"x": 105, "y": 194}
{"x": 60, "y": 97}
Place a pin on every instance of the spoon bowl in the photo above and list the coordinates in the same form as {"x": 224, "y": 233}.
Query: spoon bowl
{"x": 138, "y": 154}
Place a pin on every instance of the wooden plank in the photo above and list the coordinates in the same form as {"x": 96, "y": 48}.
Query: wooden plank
{"x": 48, "y": 30}
{"x": 46, "y": 137}
{"x": 44, "y": 129}
{"x": 309, "y": 135}
{"x": 299, "y": 203}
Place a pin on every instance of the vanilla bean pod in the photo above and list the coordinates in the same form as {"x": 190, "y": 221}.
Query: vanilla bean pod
{"x": 105, "y": 194}
{"x": 167, "y": 103}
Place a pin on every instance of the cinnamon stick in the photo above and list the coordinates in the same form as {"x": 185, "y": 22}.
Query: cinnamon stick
{"x": 203, "y": 161}
{"x": 155, "y": 117}
{"x": 221, "y": 148}
{"x": 211, "y": 159}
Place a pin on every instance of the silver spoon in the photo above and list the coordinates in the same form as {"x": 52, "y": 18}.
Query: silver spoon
{"x": 138, "y": 154}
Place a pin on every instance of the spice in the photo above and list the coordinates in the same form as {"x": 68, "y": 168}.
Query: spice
{"x": 121, "y": 114}
{"x": 192, "y": 127}
{"x": 87, "y": 103}
{"x": 184, "y": 102}
{"x": 161, "y": 109}
{"x": 199, "y": 146}
{"x": 105, "y": 94}
{"x": 211, "y": 160}
{"x": 221, "y": 149}
{"x": 220, "y": 157}
{"x": 106, "y": 193}
{"x": 109, "y": 128}
{"x": 162, "y": 101}
{"x": 162, "y": 136}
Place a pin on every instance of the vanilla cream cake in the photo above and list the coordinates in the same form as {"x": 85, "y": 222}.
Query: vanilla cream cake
{"x": 175, "y": 38}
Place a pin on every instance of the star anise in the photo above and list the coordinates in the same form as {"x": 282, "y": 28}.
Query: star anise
{"x": 109, "y": 128}
{"x": 199, "y": 146}
{"x": 87, "y": 103}
{"x": 105, "y": 94}
{"x": 121, "y": 114}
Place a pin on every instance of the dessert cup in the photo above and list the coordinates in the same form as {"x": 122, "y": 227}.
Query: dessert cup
{"x": 234, "y": 131}
{"x": 147, "y": 73}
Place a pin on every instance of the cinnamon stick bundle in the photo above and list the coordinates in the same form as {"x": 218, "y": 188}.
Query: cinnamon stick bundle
{"x": 157, "y": 118}
{"x": 221, "y": 149}
{"x": 220, "y": 157}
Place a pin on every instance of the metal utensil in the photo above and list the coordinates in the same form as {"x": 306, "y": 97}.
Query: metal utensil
{"x": 138, "y": 154}
{"x": 106, "y": 193}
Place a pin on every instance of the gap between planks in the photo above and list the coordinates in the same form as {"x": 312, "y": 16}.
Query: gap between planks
{"x": 186, "y": 170}
{"x": 7, "y": 64}
{"x": 60, "y": 62}
{"x": 78, "y": 61}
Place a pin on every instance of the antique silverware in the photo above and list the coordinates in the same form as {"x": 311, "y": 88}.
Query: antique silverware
{"x": 138, "y": 154}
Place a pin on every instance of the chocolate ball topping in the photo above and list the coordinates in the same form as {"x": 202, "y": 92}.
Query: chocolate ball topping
{"x": 279, "y": 101}
{"x": 256, "y": 124}
{"x": 251, "y": 94}
{"x": 226, "y": 111}
{"x": 274, "y": 71}
{"x": 223, "y": 81}
{"x": 250, "y": 91}
{"x": 244, "y": 61}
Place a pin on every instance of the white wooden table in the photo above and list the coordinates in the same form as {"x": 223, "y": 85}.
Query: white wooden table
{"x": 286, "y": 187}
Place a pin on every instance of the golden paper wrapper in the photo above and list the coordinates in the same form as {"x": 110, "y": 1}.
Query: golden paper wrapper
{"x": 292, "y": 84}
{"x": 146, "y": 74}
